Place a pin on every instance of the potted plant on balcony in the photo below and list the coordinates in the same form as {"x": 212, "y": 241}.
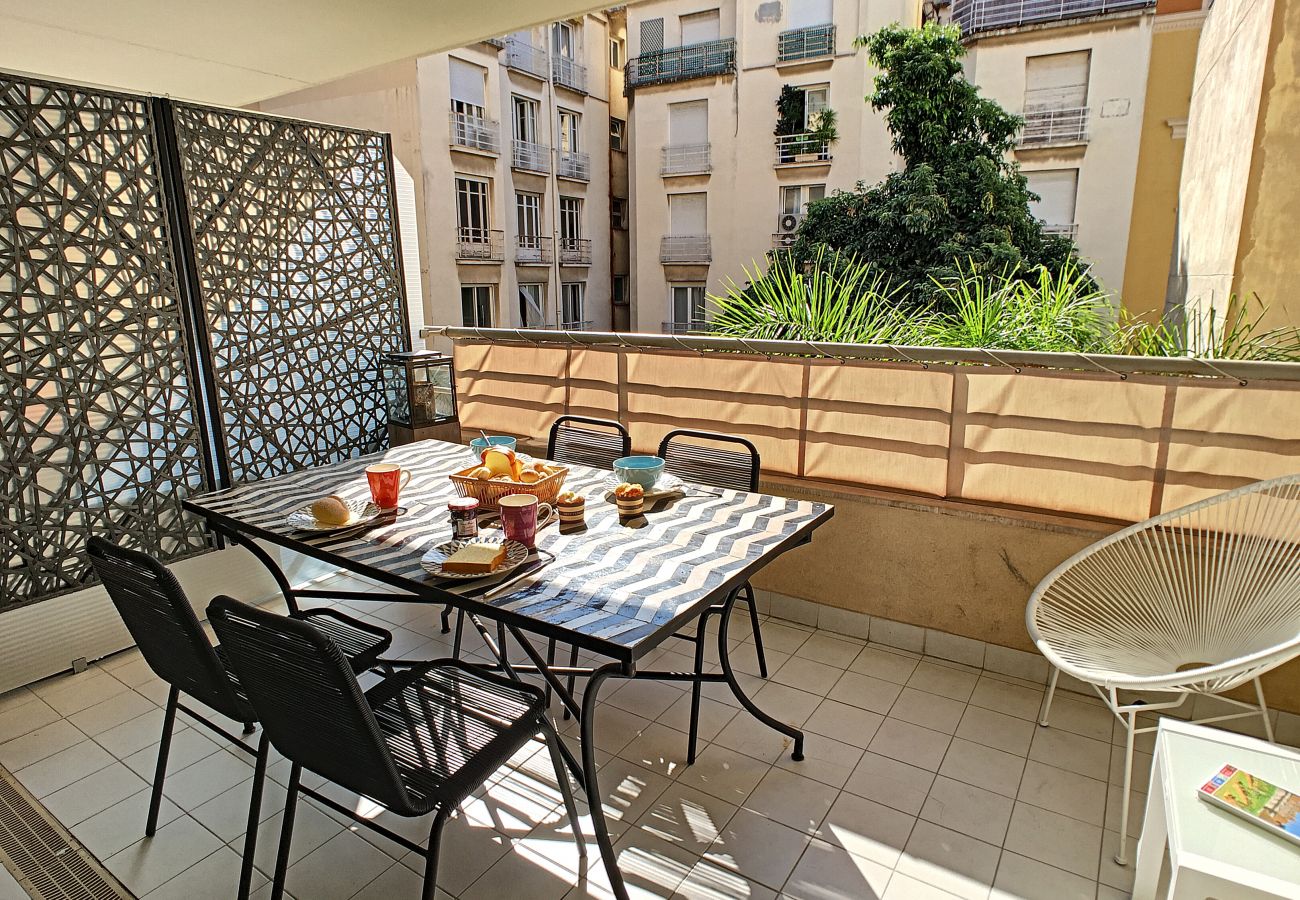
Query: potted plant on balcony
{"x": 807, "y": 142}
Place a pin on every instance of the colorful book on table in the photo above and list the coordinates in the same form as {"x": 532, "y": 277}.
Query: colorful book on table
{"x": 1255, "y": 800}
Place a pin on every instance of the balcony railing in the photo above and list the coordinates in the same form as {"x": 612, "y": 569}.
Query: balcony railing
{"x": 532, "y": 250}
{"x": 685, "y": 248}
{"x": 987, "y": 15}
{"x": 802, "y": 148}
{"x": 694, "y": 326}
{"x": 524, "y": 57}
{"x": 480, "y": 244}
{"x": 685, "y": 159}
{"x": 569, "y": 74}
{"x": 531, "y": 157}
{"x": 573, "y": 165}
{"x": 1055, "y": 126}
{"x": 475, "y": 133}
{"x": 575, "y": 251}
{"x": 680, "y": 63}
{"x": 1070, "y": 230}
{"x": 498, "y": 42}
{"x": 577, "y": 325}
{"x": 805, "y": 43}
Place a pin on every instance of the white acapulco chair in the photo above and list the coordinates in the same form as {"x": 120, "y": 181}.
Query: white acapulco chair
{"x": 1197, "y": 600}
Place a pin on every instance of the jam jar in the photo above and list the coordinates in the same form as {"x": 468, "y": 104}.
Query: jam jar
{"x": 464, "y": 518}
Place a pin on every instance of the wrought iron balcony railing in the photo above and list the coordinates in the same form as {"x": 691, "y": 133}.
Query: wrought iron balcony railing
{"x": 475, "y": 133}
{"x": 975, "y": 16}
{"x": 532, "y": 250}
{"x": 1055, "y": 126}
{"x": 573, "y": 165}
{"x": 802, "y": 148}
{"x": 694, "y": 326}
{"x": 524, "y": 57}
{"x": 569, "y": 74}
{"x": 579, "y": 325}
{"x": 805, "y": 43}
{"x": 575, "y": 251}
{"x": 480, "y": 244}
{"x": 681, "y": 63}
{"x": 685, "y": 159}
{"x": 685, "y": 248}
{"x": 531, "y": 157}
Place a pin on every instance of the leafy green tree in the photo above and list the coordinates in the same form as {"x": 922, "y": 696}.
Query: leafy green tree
{"x": 959, "y": 195}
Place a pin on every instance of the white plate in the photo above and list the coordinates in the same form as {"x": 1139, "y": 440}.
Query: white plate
{"x": 516, "y": 554}
{"x": 362, "y": 512}
{"x": 667, "y": 484}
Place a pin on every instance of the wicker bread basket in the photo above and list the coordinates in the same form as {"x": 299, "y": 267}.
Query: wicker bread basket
{"x": 489, "y": 493}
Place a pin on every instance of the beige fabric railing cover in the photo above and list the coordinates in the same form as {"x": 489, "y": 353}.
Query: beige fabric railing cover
{"x": 1072, "y": 443}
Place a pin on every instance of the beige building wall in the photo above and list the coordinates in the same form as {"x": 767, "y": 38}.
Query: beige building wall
{"x": 1119, "y": 47}
{"x": 412, "y": 100}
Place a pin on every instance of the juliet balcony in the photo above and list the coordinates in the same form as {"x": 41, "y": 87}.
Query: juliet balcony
{"x": 475, "y": 133}
{"x": 530, "y": 157}
{"x": 533, "y": 250}
{"x": 1054, "y": 126}
{"x": 567, "y": 73}
{"x": 805, "y": 148}
{"x": 798, "y": 44}
{"x": 480, "y": 245}
{"x": 524, "y": 57}
{"x": 703, "y": 60}
{"x": 575, "y": 251}
{"x": 573, "y": 165}
{"x": 685, "y": 248}
{"x": 685, "y": 159}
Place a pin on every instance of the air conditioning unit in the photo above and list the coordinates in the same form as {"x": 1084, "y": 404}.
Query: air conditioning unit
{"x": 786, "y": 240}
{"x": 789, "y": 222}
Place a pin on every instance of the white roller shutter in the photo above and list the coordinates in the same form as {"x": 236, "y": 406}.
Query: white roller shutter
{"x": 687, "y": 214}
{"x": 467, "y": 81}
{"x": 688, "y": 123}
{"x": 1057, "y": 81}
{"x": 806, "y": 13}
{"x": 1057, "y": 189}
{"x": 699, "y": 28}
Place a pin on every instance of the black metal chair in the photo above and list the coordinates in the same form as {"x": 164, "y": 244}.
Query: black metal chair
{"x": 719, "y": 466}
{"x": 164, "y": 625}
{"x": 588, "y": 442}
{"x": 417, "y": 742}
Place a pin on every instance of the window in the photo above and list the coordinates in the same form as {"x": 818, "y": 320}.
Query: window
{"x": 815, "y": 99}
{"x": 467, "y": 81}
{"x": 688, "y": 123}
{"x": 570, "y": 131}
{"x": 525, "y": 119}
{"x": 532, "y": 312}
{"x": 476, "y": 305}
{"x": 562, "y": 40}
{"x": 615, "y": 53}
{"x": 571, "y": 304}
{"x": 617, "y": 134}
{"x": 688, "y": 304}
{"x": 618, "y": 213}
{"x": 796, "y": 197}
{"x": 1056, "y": 190}
{"x": 807, "y": 13}
{"x": 472, "y": 221}
{"x": 618, "y": 290}
{"x": 687, "y": 214}
{"x": 570, "y": 218}
{"x": 1057, "y": 81}
{"x": 699, "y": 28}
{"x": 528, "y": 219}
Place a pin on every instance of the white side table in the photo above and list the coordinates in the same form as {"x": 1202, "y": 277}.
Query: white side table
{"x": 1212, "y": 853}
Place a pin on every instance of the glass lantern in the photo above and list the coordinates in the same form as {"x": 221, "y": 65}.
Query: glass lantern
{"x": 420, "y": 387}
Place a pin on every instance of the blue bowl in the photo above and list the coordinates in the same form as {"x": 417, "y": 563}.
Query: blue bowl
{"x": 495, "y": 440}
{"x": 642, "y": 470}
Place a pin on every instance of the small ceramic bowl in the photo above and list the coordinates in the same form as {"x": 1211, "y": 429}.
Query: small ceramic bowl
{"x": 479, "y": 445}
{"x": 642, "y": 470}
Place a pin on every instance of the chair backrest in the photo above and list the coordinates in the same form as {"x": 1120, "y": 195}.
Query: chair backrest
{"x": 156, "y": 611}
{"x": 307, "y": 699}
{"x": 588, "y": 442}
{"x": 708, "y": 463}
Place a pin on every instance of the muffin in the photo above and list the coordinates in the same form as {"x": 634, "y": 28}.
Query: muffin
{"x": 630, "y": 499}
{"x": 572, "y": 507}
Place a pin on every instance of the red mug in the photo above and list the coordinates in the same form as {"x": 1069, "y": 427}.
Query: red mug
{"x": 386, "y": 483}
{"x": 521, "y": 515}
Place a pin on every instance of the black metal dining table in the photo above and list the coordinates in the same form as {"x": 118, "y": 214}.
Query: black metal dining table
{"x": 616, "y": 587}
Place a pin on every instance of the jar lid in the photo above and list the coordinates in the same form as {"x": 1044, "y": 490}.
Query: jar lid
{"x": 463, "y": 503}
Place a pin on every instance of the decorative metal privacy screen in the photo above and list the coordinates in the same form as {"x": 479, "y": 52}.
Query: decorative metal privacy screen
{"x": 300, "y": 283}
{"x": 97, "y": 419}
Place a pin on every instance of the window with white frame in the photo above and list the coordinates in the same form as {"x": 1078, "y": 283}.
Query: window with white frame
{"x": 476, "y": 305}
{"x": 563, "y": 40}
{"x": 701, "y": 27}
{"x": 617, "y": 134}
{"x": 532, "y": 308}
{"x": 796, "y": 197}
{"x": 528, "y": 219}
{"x": 687, "y": 301}
{"x": 472, "y": 209}
{"x": 1057, "y": 191}
{"x": 525, "y": 118}
{"x": 467, "y": 89}
{"x": 616, "y": 53}
{"x": 570, "y": 131}
{"x": 571, "y": 295}
{"x": 570, "y": 218}
{"x": 816, "y": 97}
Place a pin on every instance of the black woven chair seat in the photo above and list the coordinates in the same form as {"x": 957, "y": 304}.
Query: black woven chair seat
{"x": 360, "y": 641}
{"x": 449, "y": 727}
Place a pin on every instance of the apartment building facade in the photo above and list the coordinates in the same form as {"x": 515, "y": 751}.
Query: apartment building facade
{"x": 508, "y": 143}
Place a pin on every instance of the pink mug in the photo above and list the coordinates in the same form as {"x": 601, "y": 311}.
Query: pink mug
{"x": 520, "y": 517}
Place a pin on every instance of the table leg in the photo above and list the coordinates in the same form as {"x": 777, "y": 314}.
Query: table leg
{"x": 1155, "y": 836}
{"x": 725, "y": 657}
{"x": 598, "y": 824}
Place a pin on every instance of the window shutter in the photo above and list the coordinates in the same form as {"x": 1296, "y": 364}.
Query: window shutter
{"x": 687, "y": 214}
{"x": 806, "y": 13}
{"x": 688, "y": 123}
{"x": 1057, "y": 189}
{"x": 1057, "y": 81}
{"x": 467, "y": 82}
{"x": 701, "y": 27}
{"x": 652, "y": 35}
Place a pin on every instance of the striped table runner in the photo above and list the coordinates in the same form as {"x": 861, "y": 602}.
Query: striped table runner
{"x": 615, "y": 587}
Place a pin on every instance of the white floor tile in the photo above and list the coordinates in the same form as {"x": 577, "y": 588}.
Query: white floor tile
{"x": 867, "y": 829}
{"x": 996, "y": 730}
{"x": 808, "y": 675}
{"x": 929, "y": 710}
{"x": 63, "y": 768}
{"x": 905, "y": 887}
{"x": 829, "y": 872}
{"x": 68, "y": 694}
{"x": 896, "y": 784}
{"x": 866, "y": 692}
{"x": 710, "y": 881}
{"x": 949, "y": 861}
{"x": 847, "y": 724}
{"x": 1022, "y": 878}
{"x": 725, "y": 773}
{"x": 39, "y": 744}
{"x": 714, "y": 716}
{"x": 792, "y": 800}
{"x": 825, "y": 759}
{"x": 943, "y": 680}
{"x": 122, "y": 824}
{"x": 106, "y": 714}
{"x": 199, "y": 782}
{"x": 759, "y": 848}
{"x": 884, "y": 663}
{"x": 1054, "y": 839}
{"x": 337, "y": 869}
{"x": 831, "y": 650}
{"x": 910, "y": 743}
{"x": 1077, "y": 796}
{"x": 971, "y": 810}
{"x": 985, "y": 767}
{"x": 93, "y": 794}
{"x": 1072, "y": 752}
{"x": 687, "y": 817}
{"x": 25, "y": 717}
{"x": 150, "y": 862}
{"x": 216, "y": 877}
{"x": 1005, "y": 697}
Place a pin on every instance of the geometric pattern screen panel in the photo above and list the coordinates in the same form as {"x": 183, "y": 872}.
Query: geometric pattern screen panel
{"x": 97, "y": 416}
{"x": 296, "y": 256}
